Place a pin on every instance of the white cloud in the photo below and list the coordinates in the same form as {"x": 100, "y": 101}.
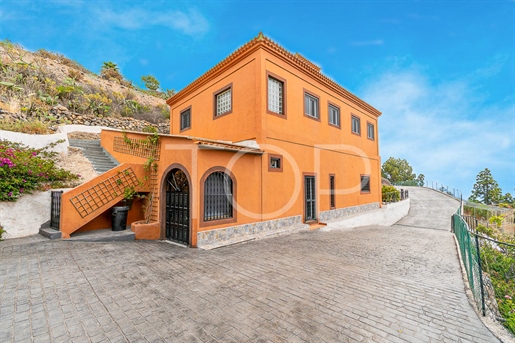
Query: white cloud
{"x": 370, "y": 42}
{"x": 190, "y": 23}
{"x": 442, "y": 129}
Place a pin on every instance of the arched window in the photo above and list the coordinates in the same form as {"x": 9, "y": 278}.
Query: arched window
{"x": 218, "y": 197}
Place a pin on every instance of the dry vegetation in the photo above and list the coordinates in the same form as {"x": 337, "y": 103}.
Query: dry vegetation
{"x": 33, "y": 83}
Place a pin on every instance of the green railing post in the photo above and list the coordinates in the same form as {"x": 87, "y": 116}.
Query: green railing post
{"x": 480, "y": 276}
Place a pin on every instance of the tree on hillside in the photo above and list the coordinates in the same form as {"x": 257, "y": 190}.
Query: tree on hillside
{"x": 109, "y": 70}
{"x": 150, "y": 82}
{"x": 508, "y": 199}
{"x": 398, "y": 170}
{"x": 486, "y": 190}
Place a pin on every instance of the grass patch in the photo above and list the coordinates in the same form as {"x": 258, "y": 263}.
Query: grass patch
{"x": 34, "y": 127}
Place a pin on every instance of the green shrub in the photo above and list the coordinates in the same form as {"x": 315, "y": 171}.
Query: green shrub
{"x": 2, "y": 231}
{"x": 498, "y": 261}
{"x": 24, "y": 169}
{"x": 390, "y": 194}
{"x": 501, "y": 268}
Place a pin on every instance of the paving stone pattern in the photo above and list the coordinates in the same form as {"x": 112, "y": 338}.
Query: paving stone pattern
{"x": 396, "y": 284}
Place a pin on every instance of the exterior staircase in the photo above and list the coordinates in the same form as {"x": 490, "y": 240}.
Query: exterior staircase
{"x": 102, "y": 161}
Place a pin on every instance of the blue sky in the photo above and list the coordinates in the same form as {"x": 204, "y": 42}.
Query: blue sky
{"x": 442, "y": 72}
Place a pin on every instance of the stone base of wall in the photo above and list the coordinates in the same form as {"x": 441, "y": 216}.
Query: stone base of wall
{"x": 347, "y": 211}
{"x": 211, "y": 239}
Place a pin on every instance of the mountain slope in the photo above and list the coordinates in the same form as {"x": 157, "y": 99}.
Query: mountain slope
{"x": 52, "y": 89}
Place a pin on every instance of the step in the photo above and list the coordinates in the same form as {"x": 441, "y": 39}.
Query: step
{"x": 103, "y": 235}
{"x": 101, "y": 161}
{"x": 50, "y": 233}
{"x": 87, "y": 145}
{"x": 316, "y": 226}
{"x": 92, "y": 150}
{"x": 94, "y": 153}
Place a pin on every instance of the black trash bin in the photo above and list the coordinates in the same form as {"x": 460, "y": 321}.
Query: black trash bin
{"x": 119, "y": 217}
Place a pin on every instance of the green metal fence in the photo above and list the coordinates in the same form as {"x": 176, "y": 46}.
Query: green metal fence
{"x": 470, "y": 253}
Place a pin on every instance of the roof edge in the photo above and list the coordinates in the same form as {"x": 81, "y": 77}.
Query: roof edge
{"x": 296, "y": 60}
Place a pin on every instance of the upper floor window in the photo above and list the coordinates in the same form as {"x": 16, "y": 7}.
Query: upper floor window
{"x": 186, "y": 119}
{"x": 218, "y": 197}
{"x": 275, "y": 95}
{"x": 365, "y": 183}
{"x": 370, "y": 131}
{"x": 311, "y": 105}
{"x": 356, "y": 125}
{"x": 334, "y": 115}
{"x": 223, "y": 101}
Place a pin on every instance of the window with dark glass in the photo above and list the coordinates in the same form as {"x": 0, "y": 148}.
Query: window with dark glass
{"x": 275, "y": 163}
{"x": 365, "y": 183}
{"x": 370, "y": 131}
{"x": 186, "y": 119}
{"x": 356, "y": 125}
{"x": 218, "y": 197}
{"x": 334, "y": 115}
{"x": 310, "y": 105}
{"x": 331, "y": 191}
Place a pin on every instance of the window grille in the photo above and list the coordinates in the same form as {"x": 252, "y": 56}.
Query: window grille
{"x": 186, "y": 119}
{"x": 223, "y": 102}
{"x": 218, "y": 197}
{"x": 334, "y": 115}
{"x": 310, "y": 197}
{"x": 311, "y": 105}
{"x": 275, "y": 95}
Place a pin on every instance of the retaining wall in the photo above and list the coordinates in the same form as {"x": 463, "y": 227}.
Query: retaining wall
{"x": 384, "y": 216}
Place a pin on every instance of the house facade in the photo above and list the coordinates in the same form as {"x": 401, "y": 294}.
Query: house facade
{"x": 261, "y": 144}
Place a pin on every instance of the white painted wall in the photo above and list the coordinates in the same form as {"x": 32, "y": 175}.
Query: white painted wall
{"x": 81, "y": 128}
{"x": 385, "y": 216}
{"x": 25, "y": 216}
{"x": 37, "y": 141}
{"x": 40, "y": 141}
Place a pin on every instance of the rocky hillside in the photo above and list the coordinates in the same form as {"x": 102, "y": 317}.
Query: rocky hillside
{"x": 40, "y": 90}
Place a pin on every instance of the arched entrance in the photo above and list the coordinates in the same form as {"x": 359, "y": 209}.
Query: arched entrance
{"x": 177, "y": 225}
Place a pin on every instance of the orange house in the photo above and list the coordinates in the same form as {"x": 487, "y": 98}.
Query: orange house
{"x": 261, "y": 144}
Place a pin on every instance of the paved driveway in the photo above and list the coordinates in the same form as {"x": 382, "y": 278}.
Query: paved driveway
{"x": 397, "y": 284}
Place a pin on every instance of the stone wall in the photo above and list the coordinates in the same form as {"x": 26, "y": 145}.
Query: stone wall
{"x": 241, "y": 233}
{"x": 61, "y": 115}
{"x": 491, "y": 308}
{"x": 347, "y": 211}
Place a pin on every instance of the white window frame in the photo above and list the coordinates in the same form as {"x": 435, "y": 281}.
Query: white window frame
{"x": 334, "y": 115}
{"x": 311, "y": 103}
{"x": 356, "y": 125}
{"x": 275, "y": 95}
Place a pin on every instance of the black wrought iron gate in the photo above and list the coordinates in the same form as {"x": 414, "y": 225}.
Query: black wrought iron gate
{"x": 55, "y": 209}
{"x": 178, "y": 208}
{"x": 310, "y": 198}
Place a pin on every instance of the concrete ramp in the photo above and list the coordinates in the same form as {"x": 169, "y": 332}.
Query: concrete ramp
{"x": 429, "y": 209}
